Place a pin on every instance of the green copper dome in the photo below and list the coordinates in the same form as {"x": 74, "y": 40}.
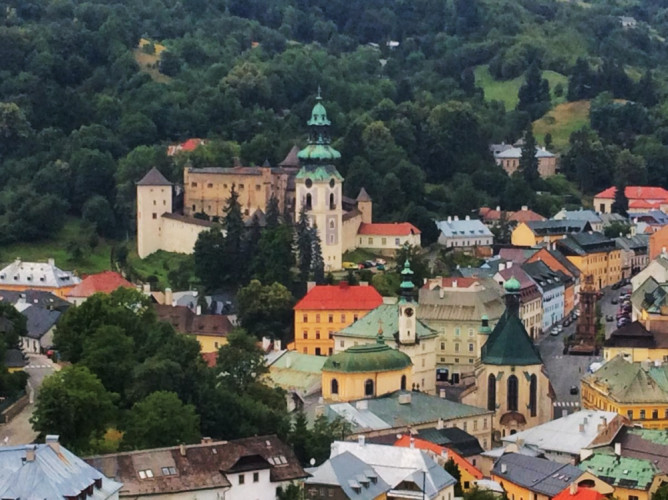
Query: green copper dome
{"x": 512, "y": 285}
{"x": 318, "y": 149}
{"x": 378, "y": 357}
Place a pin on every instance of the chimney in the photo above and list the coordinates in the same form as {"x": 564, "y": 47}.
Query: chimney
{"x": 360, "y": 440}
{"x": 502, "y": 266}
{"x": 146, "y": 288}
{"x": 310, "y": 285}
{"x": 456, "y": 217}
{"x": 468, "y": 217}
{"x": 440, "y": 424}
{"x": 504, "y": 468}
{"x": 412, "y": 443}
{"x": 441, "y": 293}
{"x": 362, "y": 404}
{"x": 363, "y": 283}
{"x": 449, "y": 220}
{"x": 199, "y": 310}
{"x": 182, "y": 449}
{"x": 498, "y": 208}
{"x": 573, "y": 489}
{"x": 30, "y": 453}
{"x": 441, "y": 393}
{"x": 509, "y": 264}
{"x": 266, "y": 342}
{"x": 524, "y": 208}
{"x": 51, "y": 262}
{"x": 581, "y": 427}
{"x": 52, "y": 441}
{"x": 169, "y": 297}
{"x": 277, "y": 345}
{"x": 618, "y": 449}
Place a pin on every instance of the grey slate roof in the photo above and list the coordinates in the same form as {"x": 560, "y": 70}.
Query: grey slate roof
{"x": 54, "y": 474}
{"x": 36, "y": 274}
{"x": 14, "y": 358}
{"x": 358, "y": 480}
{"x": 40, "y": 298}
{"x": 588, "y": 215}
{"x": 547, "y": 227}
{"x": 39, "y": 320}
{"x": 154, "y": 178}
{"x": 544, "y": 277}
{"x": 454, "y": 438}
{"x": 463, "y": 228}
{"x": 584, "y": 243}
{"x": 536, "y": 474}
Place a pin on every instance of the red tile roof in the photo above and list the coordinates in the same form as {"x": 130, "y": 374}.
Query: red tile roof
{"x": 492, "y": 215}
{"x": 580, "y": 494}
{"x": 392, "y": 229}
{"x": 643, "y": 204}
{"x": 105, "y": 282}
{"x": 210, "y": 358}
{"x": 462, "y": 463}
{"x": 636, "y": 193}
{"x": 340, "y": 297}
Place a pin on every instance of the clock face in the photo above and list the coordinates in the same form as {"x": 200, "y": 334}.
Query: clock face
{"x": 409, "y": 312}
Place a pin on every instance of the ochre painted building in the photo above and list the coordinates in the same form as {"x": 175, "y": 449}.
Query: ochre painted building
{"x": 594, "y": 254}
{"x": 365, "y": 371}
{"x": 326, "y": 309}
{"x": 635, "y": 390}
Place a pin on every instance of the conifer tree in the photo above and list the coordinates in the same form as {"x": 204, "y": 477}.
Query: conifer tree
{"x": 304, "y": 245}
{"x": 234, "y": 226}
{"x": 273, "y": 212}
{"x": 528, "y": 160}
{"x": 534, "y": 94}
{"x": 317, "y": 262}
{"x": 621, "y": 204}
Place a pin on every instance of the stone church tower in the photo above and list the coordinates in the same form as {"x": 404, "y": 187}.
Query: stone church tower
{"x": 319, "y": 187}
{"x": 511, "y": 377}
{"x": 154, "y": 198}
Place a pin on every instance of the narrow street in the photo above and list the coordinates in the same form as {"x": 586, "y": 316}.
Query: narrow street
{"x": 565, "y": 371}
{"x": 19, "y": 430}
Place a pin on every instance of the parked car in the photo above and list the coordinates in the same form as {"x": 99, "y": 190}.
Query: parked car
{"x": 616, "y": 286}
{"x": 609, "y": 317}
{"x": 381, "y": 261}
{"x": 574, "y": 390}
{"x": 554, "y": 332}
{"x": 349, "y": 265}
{"x": 380, "y": 267}
{"x": 614, "y": 301}
{"x": 369, "y": 263}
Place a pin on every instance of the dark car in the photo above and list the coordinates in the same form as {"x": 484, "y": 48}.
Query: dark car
{"x": 369, "y": 263}
{"x": 574, "y": 390}
{"x": 616, "y": 286}
{"x": 614, "y": 301}
{"x": 609, "y": 317}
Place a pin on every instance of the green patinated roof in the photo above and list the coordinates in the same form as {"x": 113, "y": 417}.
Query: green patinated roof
{"x": 295, "y": 370}
{"x": 318, "y": 115}
{"x": 319, "y": 151}
{"x": 387, "y": 316}
{"x": 319, "y": 173}
{"x": 378, "y": 357}
{"x": 634, "y": 473}
{"x": 512, "y": 285}
{"x": 509, "y": 344}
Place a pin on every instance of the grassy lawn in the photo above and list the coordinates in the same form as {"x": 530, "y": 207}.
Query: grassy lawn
{"x": 358, "y": 255}
{"x": 561, "y": 122}
{"x": 148, "y": 63}
{"x": 92, "y": 261}
{"x": 506, "y": 91}
{"x": 158, "y": 264}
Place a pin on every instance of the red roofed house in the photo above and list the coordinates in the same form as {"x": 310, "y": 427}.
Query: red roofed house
{"x": 469, "y": 472}
{"x": 390, "y": 236}
{"x": 104, "y": 282}
{"x": 326, "y": 309}
{"x": 641, "y": 198}
{"x": 492, "y": 216}
{"x": 187, "y": 146}
{"x": 575, "y": 492}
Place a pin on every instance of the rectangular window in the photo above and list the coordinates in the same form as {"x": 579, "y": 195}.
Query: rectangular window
{"x": 305, "y": 318}
{"x": 330, "y": 334}
{"x": 456, "y": 347}
{"x": 642, "y": 414}
{"x": 343, "y": 318}
{"x": 442, "y": 346}
{"x": 241, "y": 186}
{"x": 317, "y": 334}
{"x": 256, "y": 477}
{"x": 342, "y": 343}
{"x": 330, "y": 318}
{"x": 257, "y": 187}
{"x": 242, "y": 479}
{"x": 458, "y": 332}
{"x": 209, "y": 185}
{"x": 355, "y": 316}
{"x": 305, "y": 335}
{"x": 475, "y": 425}
{"x": 370, "y": 241}
{"x": 155, "y": 216}
{"x": 317, "y": 318}
{"x": 470, "y": 347}
{"x": 629, "y": 413}
{"x": 655, "y": 414}
{"x": 193, "y": 184}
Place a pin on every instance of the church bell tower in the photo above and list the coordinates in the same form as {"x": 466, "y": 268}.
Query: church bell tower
{"x": 407, "y": 308}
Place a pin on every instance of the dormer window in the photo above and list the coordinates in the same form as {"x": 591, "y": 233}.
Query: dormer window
{"x": 145, "y": 474}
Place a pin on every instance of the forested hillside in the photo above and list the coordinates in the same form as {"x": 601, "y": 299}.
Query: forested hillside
{"x": 84, "y": 112}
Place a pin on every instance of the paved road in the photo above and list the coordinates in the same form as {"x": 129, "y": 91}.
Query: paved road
{"x": 19, "y": 430}
{"x": 565, "y": 371}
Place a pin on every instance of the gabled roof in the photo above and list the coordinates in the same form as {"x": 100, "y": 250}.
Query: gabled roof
{"x": 584, "y": 243}
{"x": 494, "y": 215}
{"x": 104, "y": 282}
{"x": 55, "y": 472}
{"x": 635, "y": 193}
{"x": 440, "y": 451}
{"x": 390, "y": 229}
{"x": 555, "y": 227}
{"x": 510, "y": 344}
{"x": 631, "y": 335}
{"x": 154, "y": 178}
{"x": 516, "y": 153}
{"x": 468, "y": 301}
{"x": 536, "y": 474}
{"x": 452, "y": 438}
{"x": 39, "y": 298}
{"x": 14, "y": 358}
{"x": 647, "y": 444}
{"x": 386, "y": 315}
{"x": 184, "y": 320}
{"x": 200, "y": 467}
{"x": 544, "y": 277}
{"x": 341, "y": 297}
{"x": 588, "y": 215}
{"x": 39, "y": 320}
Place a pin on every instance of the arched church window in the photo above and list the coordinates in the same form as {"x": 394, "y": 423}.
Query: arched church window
{"x": 332, "y": 205}
{"x": 491, "y": 392}
{"x": 309, "y": 201}
{"x": 533, "y": 388}
{"x": 512, "y": 393}
{"x": 335, "y": 386}
{"x": 368, "y": 387}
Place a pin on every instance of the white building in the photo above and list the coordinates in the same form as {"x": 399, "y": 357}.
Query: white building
{"x": 464, "y": 233}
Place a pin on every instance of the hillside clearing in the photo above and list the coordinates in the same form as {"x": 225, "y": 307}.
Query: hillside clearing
{"x": 561, "y": 121}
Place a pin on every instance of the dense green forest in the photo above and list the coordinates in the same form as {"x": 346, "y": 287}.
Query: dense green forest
{"x": 82, "y": 117}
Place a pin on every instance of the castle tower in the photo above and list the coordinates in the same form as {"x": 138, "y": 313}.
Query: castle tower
{"x": 407, "y": 306}
{"x": 154, "y": 198}
{"x": 365, "y": 205}
{"x": 319, "y": 187}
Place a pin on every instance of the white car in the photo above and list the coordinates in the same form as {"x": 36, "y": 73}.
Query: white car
{"x": 554, "y": 331}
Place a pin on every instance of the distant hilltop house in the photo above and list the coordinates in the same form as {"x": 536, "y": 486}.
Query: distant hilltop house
{"x": 306, "y": 178}
{"x": 641, "y": 199}
{"x": 494, "y": 216}
{"x": 185, "y": 147}
{"x": 508, "y": 157}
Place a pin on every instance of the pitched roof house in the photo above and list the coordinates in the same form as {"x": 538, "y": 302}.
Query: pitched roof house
{"x": 104, "y": 282}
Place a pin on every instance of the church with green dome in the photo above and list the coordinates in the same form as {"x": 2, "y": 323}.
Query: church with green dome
{"x": 366, "y": 371}
{"x": 511, "y": 378}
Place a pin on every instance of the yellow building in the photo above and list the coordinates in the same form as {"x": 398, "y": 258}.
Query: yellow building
{"x": 532, "y": 233}
{"x": 326, "y": 309}
{"x": 365, "y": 371}
{"x": 635, "y": 390}
{"x": 635, "y": 343}
{"x": 594, "y": 254}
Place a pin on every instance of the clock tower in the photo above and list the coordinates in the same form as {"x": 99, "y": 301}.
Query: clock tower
{"x": 407, "y": 308}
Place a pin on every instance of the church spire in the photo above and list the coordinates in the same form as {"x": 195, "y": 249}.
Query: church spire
{"x": 319, "y": 149}
{"x": 407, "y": 286}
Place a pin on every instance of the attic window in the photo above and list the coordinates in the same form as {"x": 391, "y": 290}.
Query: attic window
{"x": 145, "y": 474}
{"x": 168, "y": 471}
{"x": 278, "y": 460}
{"x": 29, "y": 278}
{"x": 42, "y": 278}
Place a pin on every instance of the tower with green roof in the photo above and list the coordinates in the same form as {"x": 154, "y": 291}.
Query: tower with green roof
{"x": 407, "y": 307}
{"x": 510, "y": 377}
{"x": 318, "y": 186}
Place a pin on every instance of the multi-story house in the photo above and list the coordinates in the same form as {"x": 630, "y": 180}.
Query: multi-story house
{"x": 467, "y": 234}
{"x": 533, "y": 233}
{"x": 551, "y": 286}
{"x": 594, "y": 254}
{"x": 557, "y": 262}
{"x": 453, "y": 307}
{"x": 327, "y": 309}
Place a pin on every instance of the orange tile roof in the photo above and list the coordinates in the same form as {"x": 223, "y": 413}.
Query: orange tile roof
{"x": 643, "y": 204}
{"x": 462, "y": 463}
{"x": 636, "y": 193}
{"x": 391, "y": 229}
{"x": 580, "y": 494}
{"x": 340, "y": 297}
{"x": 490, "y": 214}
{"x": 210, "y": 358}
{"x": 105, "y": 282}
